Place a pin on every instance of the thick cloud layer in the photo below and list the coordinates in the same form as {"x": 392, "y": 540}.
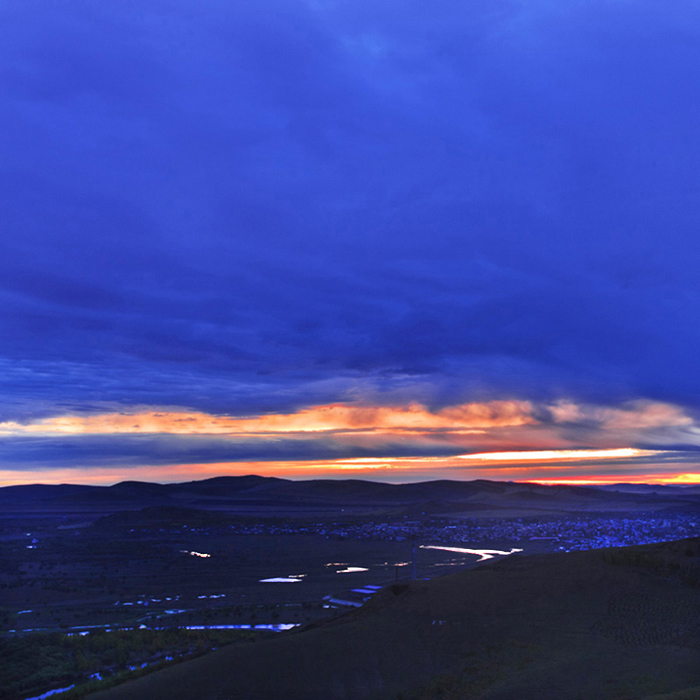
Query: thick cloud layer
{"x": 246, "y": 208}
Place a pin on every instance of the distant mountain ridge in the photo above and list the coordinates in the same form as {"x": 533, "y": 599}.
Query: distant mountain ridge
{"x": 270, "y": 495}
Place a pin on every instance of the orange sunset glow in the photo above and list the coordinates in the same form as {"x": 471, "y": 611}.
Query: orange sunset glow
{"x": 487, "y": 440}
{"x": 336, "y": 417}
{"x": 469, "y": 418}
{"x": 515, "y": 466}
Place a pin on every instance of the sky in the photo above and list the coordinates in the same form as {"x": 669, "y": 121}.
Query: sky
{"x": 393, "y": 240}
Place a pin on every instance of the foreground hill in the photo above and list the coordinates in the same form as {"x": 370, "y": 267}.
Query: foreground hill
{"x": 599, "y": 625}
{"x": 261, "y": 496}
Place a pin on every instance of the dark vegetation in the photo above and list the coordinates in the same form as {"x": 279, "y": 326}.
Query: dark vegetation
{"x": 36, "y": 663}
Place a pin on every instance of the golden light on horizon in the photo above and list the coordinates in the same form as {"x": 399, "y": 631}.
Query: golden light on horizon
{"x": 546, "y": 455}
{"x": 394, "y": 469}
{"x": 679, "y": 479}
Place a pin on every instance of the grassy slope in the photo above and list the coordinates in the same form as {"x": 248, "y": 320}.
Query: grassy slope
{"x": 591, "y": 625}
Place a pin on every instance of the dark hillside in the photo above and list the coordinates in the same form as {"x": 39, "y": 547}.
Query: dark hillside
{"x": 597, "y": 625}
{"x": 38, "y": 493}
{"x": 224, "y": 485}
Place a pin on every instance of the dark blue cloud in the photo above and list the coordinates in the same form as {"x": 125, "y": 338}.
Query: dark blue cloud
{"x": 251, "y": 209}
{"x": 80, "y": 452}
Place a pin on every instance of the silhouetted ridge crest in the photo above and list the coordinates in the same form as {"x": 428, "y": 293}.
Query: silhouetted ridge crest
{"x": 273, "y": 495}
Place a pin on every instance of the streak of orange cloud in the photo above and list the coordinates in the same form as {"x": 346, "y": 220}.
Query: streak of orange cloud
{"x": 495, "y": 426}
{"x": 331, "y": 418}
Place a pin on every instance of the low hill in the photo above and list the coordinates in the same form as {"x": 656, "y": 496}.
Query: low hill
{"x": 597, "y": 625}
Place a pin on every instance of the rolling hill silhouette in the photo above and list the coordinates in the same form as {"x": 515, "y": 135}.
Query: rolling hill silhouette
{"x": 270, "y": 496}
